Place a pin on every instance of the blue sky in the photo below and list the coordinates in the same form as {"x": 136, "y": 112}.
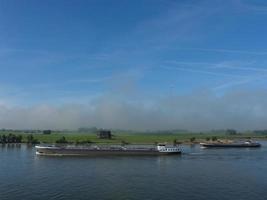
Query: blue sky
{"x": 73, "y": 52}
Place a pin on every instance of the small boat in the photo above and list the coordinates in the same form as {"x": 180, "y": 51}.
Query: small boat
{"x": 160, "y": 149}
{"x": 246, "y": 144}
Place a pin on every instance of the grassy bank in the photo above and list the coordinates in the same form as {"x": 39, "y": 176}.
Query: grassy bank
{"x": 138, "y": 138}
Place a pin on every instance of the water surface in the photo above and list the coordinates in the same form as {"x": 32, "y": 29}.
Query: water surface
{"x": 197, "y": 174}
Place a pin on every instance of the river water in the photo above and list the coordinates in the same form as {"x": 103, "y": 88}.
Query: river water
{"x": 197, "y": 174}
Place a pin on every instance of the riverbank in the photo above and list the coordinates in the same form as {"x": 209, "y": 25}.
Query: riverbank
{"x": 125, "y": 138}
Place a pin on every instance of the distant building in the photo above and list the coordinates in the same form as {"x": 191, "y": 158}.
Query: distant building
{"x": 47, "y": 132}
{"x": 104, "y": 134}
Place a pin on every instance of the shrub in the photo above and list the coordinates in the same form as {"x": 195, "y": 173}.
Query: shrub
{"x": 62, "y": 140}
{"x": 32, "y": 140}
{"x": 214, "y": 138}
{"x": 83, "y": 142}
{"x": 176, "y": 141}
{"x": 192, "y": 139}
{"x": 124, "y": 142}
{"x": 47, "y": 132}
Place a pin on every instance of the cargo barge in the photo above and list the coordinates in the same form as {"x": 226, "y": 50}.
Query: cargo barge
{"x": 247, "y": 144}
{"x": 160, "y": 149}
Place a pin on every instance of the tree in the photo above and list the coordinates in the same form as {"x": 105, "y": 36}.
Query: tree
{"x": 231, "y": 132}
{"x": 62, "y": 140}
{"x": 4, "y": 139}
{"x": 47, "y": 132}
{"x": 214, "y": 138}
{"x": 19, "y": 139}
{"x": 30, "y": 139}
{"x": 123, "y": 143}
{"x": 176, "y": 142}
{"x": 13, "y": 138}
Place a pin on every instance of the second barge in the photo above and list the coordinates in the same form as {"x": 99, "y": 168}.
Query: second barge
{"x": 246, "y": 144}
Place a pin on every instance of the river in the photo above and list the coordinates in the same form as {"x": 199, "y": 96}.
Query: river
{"x": 197, "y": 174}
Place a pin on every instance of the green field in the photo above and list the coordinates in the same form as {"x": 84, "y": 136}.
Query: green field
{"x": 138, "y": 138}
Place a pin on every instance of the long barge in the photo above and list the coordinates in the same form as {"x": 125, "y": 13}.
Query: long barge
{"x": 247, "y": 144}
{"x": 160, "y": 149}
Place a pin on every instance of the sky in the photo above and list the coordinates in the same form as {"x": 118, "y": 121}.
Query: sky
{"x": 140, "y": 65}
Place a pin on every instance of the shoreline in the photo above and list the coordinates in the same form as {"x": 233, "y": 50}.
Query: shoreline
{"x": 124, "y": 138}
{"x": 135, "y": 143}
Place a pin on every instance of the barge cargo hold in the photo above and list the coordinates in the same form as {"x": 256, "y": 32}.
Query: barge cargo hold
{"x": 160, "y": 149}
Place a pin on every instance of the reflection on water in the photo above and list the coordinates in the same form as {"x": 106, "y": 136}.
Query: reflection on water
{"x": 10, "y": 145}
{"x": 197, "y": 174}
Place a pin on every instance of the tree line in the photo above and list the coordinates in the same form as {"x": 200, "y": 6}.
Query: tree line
{"x": 12, "y": 138}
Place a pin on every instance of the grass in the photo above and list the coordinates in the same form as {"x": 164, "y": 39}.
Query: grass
{"x": 138, "y": 138}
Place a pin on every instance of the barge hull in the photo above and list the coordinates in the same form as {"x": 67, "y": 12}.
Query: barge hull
{"x": 91, "y": 152}
{"x": 231, "y": 145}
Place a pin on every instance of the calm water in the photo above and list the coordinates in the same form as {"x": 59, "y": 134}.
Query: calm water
{"x": 197, "y": 174}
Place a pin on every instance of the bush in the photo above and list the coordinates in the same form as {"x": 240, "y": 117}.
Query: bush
{"x": 32, "y": 140}
{"x": 176, "y": 141}
{"x": 124, "y": 142}
{"x": 231, "y": 132}
{"x": 19, "y": 138}
{"x": 83, "y": 142}
{"x": 214, "y": 138}
{"x": 62, "y": 140}
{"x": 192, "y": 139}
{"x": 207, "y": 138}
{"x": 2, "y": 139}
{"x": 47, "y": 132}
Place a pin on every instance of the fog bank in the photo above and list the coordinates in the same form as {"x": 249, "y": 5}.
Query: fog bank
{"x": 241, "y": 110}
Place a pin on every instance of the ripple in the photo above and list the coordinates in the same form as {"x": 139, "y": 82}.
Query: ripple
{"x": 197, "y": 174}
